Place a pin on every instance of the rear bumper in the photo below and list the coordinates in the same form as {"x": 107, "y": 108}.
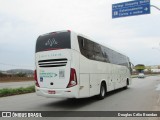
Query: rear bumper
{"x": 58, "y": 93}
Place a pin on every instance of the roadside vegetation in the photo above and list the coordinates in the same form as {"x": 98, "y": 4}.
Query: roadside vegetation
{"x": 17, "y": 77}
{"x": 16, "y": 91}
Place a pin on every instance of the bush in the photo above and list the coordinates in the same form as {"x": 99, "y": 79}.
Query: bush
{"x": 2, "y": 75}
{"x": 16, "y": 91}
{"x": 21, "y": 75}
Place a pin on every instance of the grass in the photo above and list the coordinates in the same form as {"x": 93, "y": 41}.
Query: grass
{"x": 16, "y": 91}
{"x": 134, "y": 76}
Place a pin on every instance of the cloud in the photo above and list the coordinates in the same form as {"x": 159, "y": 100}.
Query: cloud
{"x": 22, "y": 21}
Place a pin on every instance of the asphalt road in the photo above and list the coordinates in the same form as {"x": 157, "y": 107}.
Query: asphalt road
{"x": 16, "y": 84}
{"x": 142, "y": 95}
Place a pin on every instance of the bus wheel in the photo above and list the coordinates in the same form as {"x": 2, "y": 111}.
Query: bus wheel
{"x": 127, "y": 83}
{"x": 102, "y": 93}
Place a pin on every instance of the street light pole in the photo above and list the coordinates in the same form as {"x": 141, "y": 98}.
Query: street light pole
{"x": 155, "y": 7}
{"x": 154, "y": 48}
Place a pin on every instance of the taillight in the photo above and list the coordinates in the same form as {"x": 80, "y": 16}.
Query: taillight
{"x": 73, "y": 78}
{"x": 35, "y": 78}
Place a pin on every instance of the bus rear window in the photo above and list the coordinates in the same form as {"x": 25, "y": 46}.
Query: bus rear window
{"x": 53, "y": 41}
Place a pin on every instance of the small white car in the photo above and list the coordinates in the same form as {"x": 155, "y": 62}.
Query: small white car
{"x": 141, "y": 75}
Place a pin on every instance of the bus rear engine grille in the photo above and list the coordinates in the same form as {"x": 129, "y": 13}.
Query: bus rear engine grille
{"x": 53, "y": 62}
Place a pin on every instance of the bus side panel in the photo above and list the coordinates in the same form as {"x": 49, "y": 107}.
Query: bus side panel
{"x": 95, "y": 82}
{"x": 122, "y": 74}
{"x": 110, "y": 83}
{"x": 84, "y": 85}
{"x": 116, "y": 79}
{"x": 97, "y": 74}
{"x": 100, "y": 71}
{"x": 84, "y": 76}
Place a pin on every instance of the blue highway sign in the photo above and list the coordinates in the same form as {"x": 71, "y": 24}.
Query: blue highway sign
{"x": 131, "y": 8}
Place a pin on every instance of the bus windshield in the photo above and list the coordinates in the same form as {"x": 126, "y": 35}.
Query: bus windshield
{"x": 53, "y": 41}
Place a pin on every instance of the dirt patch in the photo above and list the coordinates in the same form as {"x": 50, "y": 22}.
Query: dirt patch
{"x": 15, "y": 79}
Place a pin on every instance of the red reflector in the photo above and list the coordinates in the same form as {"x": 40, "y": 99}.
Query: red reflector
{"x": 35, "y": 78}
{"x": 52, "y": 49}
{"x": 35, "y": 75}
{"x": 73, "y": 78}
{"x": 51, "y": 92}
{"x": 68, "y": 91}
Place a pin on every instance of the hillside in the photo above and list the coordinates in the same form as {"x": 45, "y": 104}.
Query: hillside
{"x": 16, "y": 71}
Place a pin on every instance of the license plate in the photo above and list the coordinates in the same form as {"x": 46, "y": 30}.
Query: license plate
{"x": 51, "y": 92}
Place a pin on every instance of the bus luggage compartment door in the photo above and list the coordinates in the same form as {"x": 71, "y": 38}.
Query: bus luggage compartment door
{"x": 84, "y": 85}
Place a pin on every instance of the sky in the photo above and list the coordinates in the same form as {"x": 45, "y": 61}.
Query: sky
{"x": 22, "y": 21}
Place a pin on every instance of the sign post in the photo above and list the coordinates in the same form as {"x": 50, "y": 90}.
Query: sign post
{"x": 131, "y": 8}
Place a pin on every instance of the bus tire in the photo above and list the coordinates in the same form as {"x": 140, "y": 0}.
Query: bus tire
{"x": 102, "y": 93}
{"x": 127, "y": 83}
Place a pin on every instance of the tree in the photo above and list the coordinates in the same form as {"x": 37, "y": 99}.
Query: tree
{"x": 2, "y": 75}
{"x": 21, "y": 74}
{"x": 140, "y": 68}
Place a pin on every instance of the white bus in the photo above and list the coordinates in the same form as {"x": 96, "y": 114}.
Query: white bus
{"x": 69, "y": 65}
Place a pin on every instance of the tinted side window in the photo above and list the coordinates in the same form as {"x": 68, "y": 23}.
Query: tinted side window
{"x": 109, "y": 51}
{"x": 81, "y": 42}
{"x": 108, "y": 54}
{"x": 85, "y": 43}
{"x": 125, "y": 61}
{"x": 86, "y": 47}
{"x": 81, "y": 45}
{"x": 122, "y": 60}
{"x": 100, "y": 53}
{"x": 97, "y": 48}
{"x": 97, "y": 52}
{"x": 105, "y": 54}
{"x": 90, "y": 45}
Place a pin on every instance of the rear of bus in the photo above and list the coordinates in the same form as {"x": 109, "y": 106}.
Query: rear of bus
{"x": 56, "y": 74}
